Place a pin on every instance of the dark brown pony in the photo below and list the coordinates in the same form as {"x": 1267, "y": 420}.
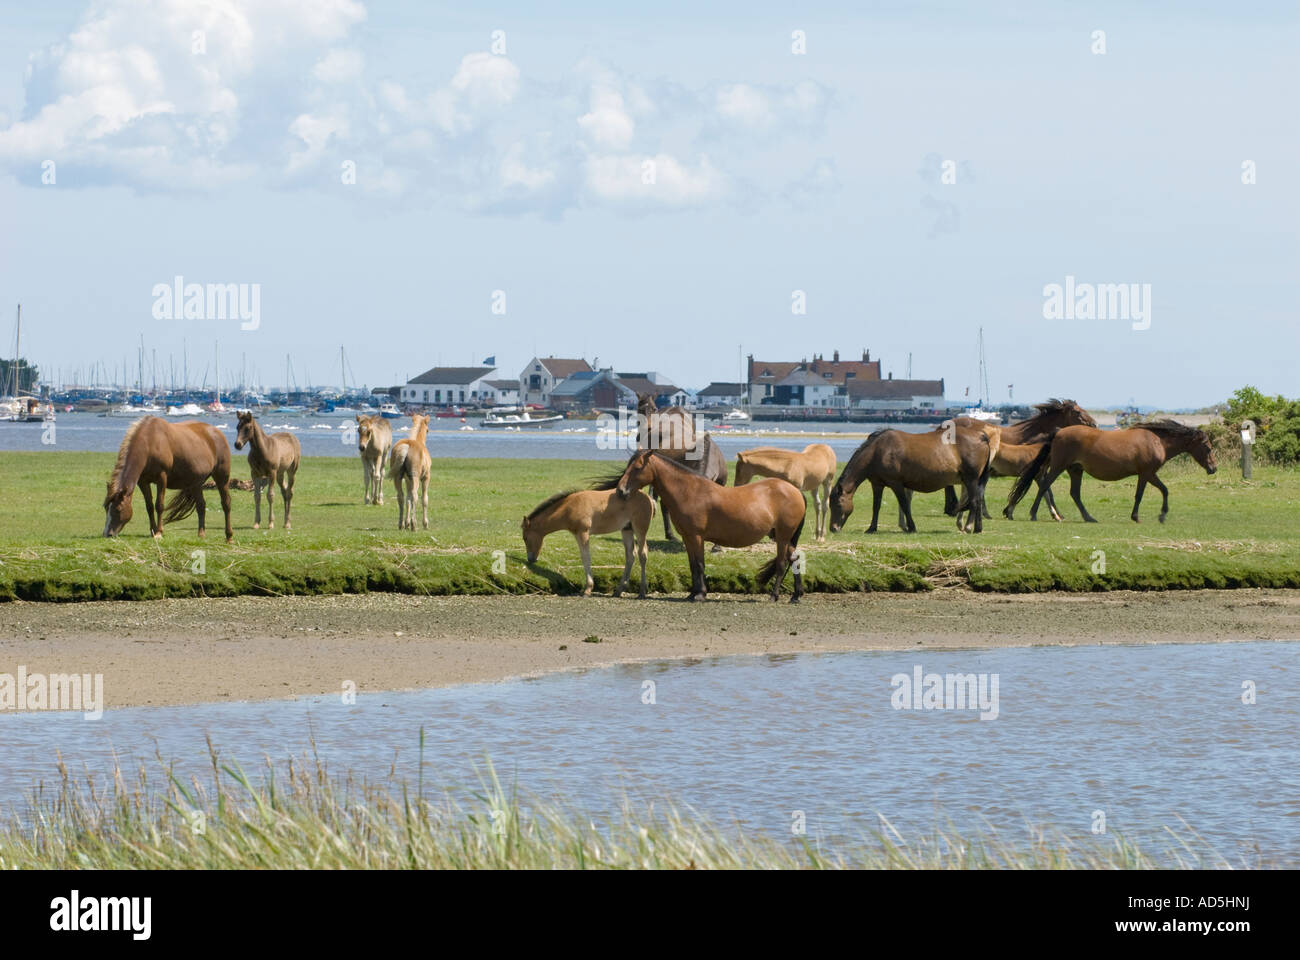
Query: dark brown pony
{"x": 1139, "y": 450}
{"x": 704, "y": 511}
{"x": 1051, "y": 416}
{"x": 672, "y": 432}
{"x": 179, "y": 455}
{"x": 924, "y": 462}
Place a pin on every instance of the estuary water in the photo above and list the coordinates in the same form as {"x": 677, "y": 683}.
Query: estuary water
{"x": 1151, "y": 737}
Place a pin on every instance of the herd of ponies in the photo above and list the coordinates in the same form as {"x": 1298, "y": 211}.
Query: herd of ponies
{"x": 687, "y": 474}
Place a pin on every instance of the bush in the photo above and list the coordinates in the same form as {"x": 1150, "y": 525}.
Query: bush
{"x": 1277, "y": 426}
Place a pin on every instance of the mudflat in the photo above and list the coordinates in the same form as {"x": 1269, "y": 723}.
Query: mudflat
{"x": 249, "y": 648}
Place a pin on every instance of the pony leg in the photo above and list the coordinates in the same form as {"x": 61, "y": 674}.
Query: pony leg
{"x": 270, "y": 506}
{"x": 424, "y": 496}
{"x": 584, "y": 547}
{"x": 368, "y": 475}
{"x": 148, "y": 505}
{"x": 695, "y": 553}
{"x": 401, "y": 503}
{"x": 162, "y": 493}
{"x": 286, "y": 493}
{"x": 1076, "y": 490}
{"x": 257, "y": 503}
{"x": 877, "y": 494}
{"x": 384, "y": 459}
{"x": 1164, "y": 492}
{"x": 824, "y": 519}
{"x": 1137, "y": 498}
{"x": 223, "y": 490}
{"x": 949, "y": 502}
{"x": 201, "y": 508}
{"x": 668, "y": 527}
{"x": 904, "y": 497}
{"x": 641, "y": 536}
{"x": 627, "y": 560}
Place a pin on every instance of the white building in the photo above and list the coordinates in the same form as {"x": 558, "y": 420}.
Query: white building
{"x": 501, "y": 393}
{"x": 543, "y": 374}
{"x": 445, "y": 386}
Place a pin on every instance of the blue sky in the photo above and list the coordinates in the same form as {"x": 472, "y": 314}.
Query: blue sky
{"x": 521, "y": 171}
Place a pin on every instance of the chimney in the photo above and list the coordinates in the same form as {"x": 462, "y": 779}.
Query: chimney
{"x": 866, "y": 356}
{"x": 891, "y": 374}
{"x": 836, "y": 356}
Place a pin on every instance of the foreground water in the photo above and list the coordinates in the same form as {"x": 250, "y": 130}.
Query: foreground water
{"x": 1146, "y": 735}
{"x": 324, "y": 436}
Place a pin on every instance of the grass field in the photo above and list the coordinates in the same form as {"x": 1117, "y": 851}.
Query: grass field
{"x": 1222, "y": 532}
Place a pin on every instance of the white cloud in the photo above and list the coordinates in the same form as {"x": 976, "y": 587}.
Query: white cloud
{"x": 281, "y": 93}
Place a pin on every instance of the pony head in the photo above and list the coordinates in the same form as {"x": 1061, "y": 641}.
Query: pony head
{"x": 246, "y": 426}
{"x": 841, "y": 506}
{"x": 532, "y": 539}
{"x": 117, "y": 510}
{"x": 364, "y": 430}
{"x": 639, "y": 473}
{"x": 1202, "y": 452}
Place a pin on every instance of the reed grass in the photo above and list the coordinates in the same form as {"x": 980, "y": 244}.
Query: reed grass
{"x": 304, "y": 819}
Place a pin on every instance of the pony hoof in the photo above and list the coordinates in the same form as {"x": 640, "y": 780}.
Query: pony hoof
{"x": 257, "y": 526}
{"x": 1162, "y": 518}
{"x": 157, "y": 536}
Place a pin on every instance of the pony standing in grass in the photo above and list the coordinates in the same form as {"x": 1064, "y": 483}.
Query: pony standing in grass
{"x": 704, "y": 512}
{"x": 409, "y": 465}
{"x": 587, "y": 512}
{"x": 375, "y": 442}
{"x": 180, "y": 455}
{"x": 812, "y": 470}
{"x": 271, "y": 458}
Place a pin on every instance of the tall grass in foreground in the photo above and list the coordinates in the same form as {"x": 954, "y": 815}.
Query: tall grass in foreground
{"x": 308, "y": 820}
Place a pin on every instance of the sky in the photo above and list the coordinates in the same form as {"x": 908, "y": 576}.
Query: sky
{"x": 655, "y": 188}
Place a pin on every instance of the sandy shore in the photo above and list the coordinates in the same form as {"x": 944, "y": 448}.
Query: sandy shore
{"x": 188, "y": 651}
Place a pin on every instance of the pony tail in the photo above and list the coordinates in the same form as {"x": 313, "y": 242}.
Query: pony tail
{"x": 768, "y": 571}
{"x": 182, "y": 506}
{"x": 1027, "y": 475}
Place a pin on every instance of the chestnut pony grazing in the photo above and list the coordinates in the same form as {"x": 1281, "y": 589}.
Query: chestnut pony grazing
{"x": 702, "y": 511}
{"x": 271, "y": 459}
{"x": 1139, "y": 450}
{"x": 410, "y": 465}
{"x": 179, "y": 455}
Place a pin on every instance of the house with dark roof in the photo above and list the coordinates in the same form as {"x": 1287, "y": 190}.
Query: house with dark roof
{"x": 891, "y": 394}
{"x": 721, "y": 394}
{"x": 802, "y": 387}
{"x": 445, "y": 386}
{"x": 656, "y": 385}
{"x": 543, "y": 374}
{"x": 501, "y": 393}
{"x": 592, "y": 390}
{"x": 764, "y": 375}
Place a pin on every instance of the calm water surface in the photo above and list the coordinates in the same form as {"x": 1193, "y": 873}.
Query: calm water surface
{"x": 1147, "y": 734}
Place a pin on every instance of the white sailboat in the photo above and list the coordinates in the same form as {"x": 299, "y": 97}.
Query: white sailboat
{"x": 978, "y": 411}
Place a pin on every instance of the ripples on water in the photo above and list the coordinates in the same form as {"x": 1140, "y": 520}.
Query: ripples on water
{"x": 1147, "y": 734}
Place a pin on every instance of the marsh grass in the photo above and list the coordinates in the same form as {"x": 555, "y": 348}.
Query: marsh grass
{"x": 1222, "y": 532}
{"x": 303, "y": 818}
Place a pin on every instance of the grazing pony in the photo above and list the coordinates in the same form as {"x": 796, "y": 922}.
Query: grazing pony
{"x": 374, "y": 441}
{"x": 270, "y": 458}
{"x": 672, "y": 433}
{"x": 180, "y": 455}
{"x": 1051, "y": 416}
{"x": 410, "y": 465}
{"x": 811, "y": 470}
{"x": 904, "y": 462}
{"x": 587, "y": 512}
{"x": 1139, "y": 450}
{"x": 702, "y": 511}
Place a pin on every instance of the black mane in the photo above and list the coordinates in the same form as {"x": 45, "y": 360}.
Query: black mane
{"x": 549, "y": 502}
{"x": 1166, "y": 426}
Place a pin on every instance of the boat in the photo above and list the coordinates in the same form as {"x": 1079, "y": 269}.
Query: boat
{"x": 455, "y": 413}
{"x": 26, "y": 409}
{"x": 389, "y": 411}
{"x": 736, "y": 416}
{"x": 516, "y": 421}
{"x": 134, "y": 411}
{"x": 978, "y": 411}
{"x": 185, "y": 410}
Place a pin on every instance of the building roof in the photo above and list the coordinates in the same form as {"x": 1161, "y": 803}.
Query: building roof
{"x": 581, "y": 382}
{"x": 502, "y": 384}
{"x": 799, "y": 377}
{"x": 719, "y": 389}
{"x": 894, "y": 389}
{"x": 640, "y": 385}
{"x": 452, "y": 375}
{"x": 774, "y": 371}
{"x": 561, "y": 368}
